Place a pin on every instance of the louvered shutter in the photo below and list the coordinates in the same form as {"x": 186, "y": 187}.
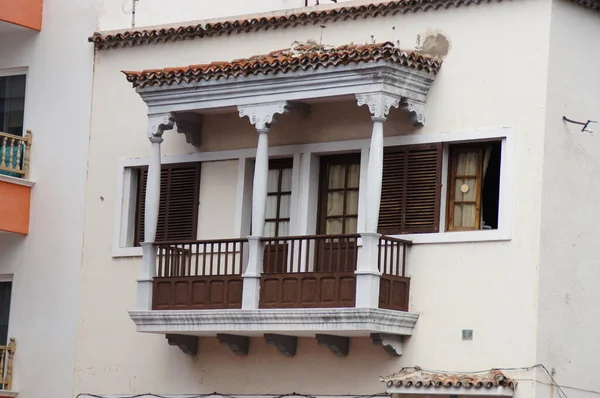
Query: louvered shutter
{"x": 178, "y": 207}
{"x": 410, "y": 195}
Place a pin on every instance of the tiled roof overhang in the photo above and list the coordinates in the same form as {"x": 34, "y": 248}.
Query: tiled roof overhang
{"x": 299, "y": 58}
{"x": 130, "y": 38}
{"x": 419, "y": 381}
{"x": 303, "y": 73}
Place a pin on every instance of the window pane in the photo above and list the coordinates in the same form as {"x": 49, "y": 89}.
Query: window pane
{"x": 335, "y": 203}
{"x": 466, "y": 190}
{"x": 352, "y": 202}
{"x": 337, "y": 176}
{"x": 468, "y": 163}
{"x": 353, "y": 175}
{"x": 286, "y": 180}
{"x": 284, "y": 228}
{"x": 12, "y": 104}
{"x": 284, "y": 206}
{"x": 465, "y": 215}
{"x": 351, "y": 226}
{"x": 333, "y": 226}
{"x": 269, "y": 229}
{"x": 271, "y": 207}
{"x": 273, "y": 181}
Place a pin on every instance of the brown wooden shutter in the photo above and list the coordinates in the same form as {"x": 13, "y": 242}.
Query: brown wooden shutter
{"x": 178, "y": 208}
{"x": 410, "y": 195}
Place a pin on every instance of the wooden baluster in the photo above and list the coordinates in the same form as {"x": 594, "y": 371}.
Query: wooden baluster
{"x": 227, "y": 272}
{"x": 196, "y": 257}
{"x": 204, "y": 259}
{"x": 403, "y": 260}
{"x": 268, "y": 267}
{"x": 241, "y": 262}
{"x": 160, "y": 261}
{"x": 3, "y": 354}
{"x": 307, "y": 241}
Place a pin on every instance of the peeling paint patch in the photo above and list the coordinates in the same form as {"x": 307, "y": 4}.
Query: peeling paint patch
{"x": 434, "y": 44}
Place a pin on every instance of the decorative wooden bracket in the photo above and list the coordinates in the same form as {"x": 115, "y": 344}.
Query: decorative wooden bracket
{"x": 190, "y": 124}
{"x": 237, "y": 344}
{"x": 187, "y": 344}
{"x": 339, "y": 345}
{"x": 284, "y": 344}
{"x": 391, "y": 343}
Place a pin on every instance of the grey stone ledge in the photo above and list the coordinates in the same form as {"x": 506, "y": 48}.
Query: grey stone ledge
{"x": 299, "y": 322}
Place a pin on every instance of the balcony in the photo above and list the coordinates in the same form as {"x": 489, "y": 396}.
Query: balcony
{"x": 6, "y": 369}
{"x": 308, "y": 287}
{"x": 20, "y": 15}
{"x": 15, "y": 189}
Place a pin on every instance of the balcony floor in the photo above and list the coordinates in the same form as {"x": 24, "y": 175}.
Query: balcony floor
{"x": 301, "y": 322}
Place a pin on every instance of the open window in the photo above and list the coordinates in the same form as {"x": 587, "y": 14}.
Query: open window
{"x": 473, "y": 186}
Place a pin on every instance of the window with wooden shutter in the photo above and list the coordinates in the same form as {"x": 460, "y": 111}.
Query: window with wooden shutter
{"x": 473, "y": 186}
{"x": 179, "y": 197}
{"x": 410, "y": 194}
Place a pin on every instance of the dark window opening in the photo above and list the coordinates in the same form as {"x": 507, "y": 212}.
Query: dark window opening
{"x": 490, "y": 191}
{"x": 5, "y": 293}
{"x": 12, "y": 104}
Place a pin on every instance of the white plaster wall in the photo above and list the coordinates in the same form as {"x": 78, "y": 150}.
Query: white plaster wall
{"x": 493, "y": 76}
{"x": 117, "y": 13}
{"x": 45, "y": 264}
{"x": 568, "y": 302}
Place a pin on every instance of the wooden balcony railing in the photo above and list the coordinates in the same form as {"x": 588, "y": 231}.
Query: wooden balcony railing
{"x": 394, "y": 286}
{"x": 6, "y": 364}
{"x": 199, "y": 274}
{"x": 316, "y": 271}
{"x": 14, "y": 154}
{"x": 309, "y": 271}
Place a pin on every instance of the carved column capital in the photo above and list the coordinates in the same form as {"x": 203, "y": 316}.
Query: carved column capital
{"x": 157, "y": 124}
{"x": 416, "y": 109}
{"x": 262, "y": 116}
{"x": 379, "y": 104}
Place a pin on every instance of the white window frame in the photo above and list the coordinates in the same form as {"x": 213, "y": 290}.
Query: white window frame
{"x": 305, "y": 178}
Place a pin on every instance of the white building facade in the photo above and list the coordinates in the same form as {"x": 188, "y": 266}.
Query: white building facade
{"x": 45, "y": 105}
{"x": 308, "y": 200}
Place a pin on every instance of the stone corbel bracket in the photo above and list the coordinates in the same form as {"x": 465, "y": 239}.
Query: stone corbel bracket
{"x": 392, "y": 344}
{"x": 284, "y": 344}
{"x": 239, "y": 345}
{"x": 416, "y": 109}
{"x": 187, "y": 344}
{"x": 189, "y": 124}
{"x": 339, "y": 345}
{"x": 157, "y": 124}
{"x": 263, "y": 116}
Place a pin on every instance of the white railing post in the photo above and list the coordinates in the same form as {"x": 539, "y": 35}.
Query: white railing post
{"x": 262, "y": 116}
{"x": 156, "y": 126}
{"x": 367, "y": 272}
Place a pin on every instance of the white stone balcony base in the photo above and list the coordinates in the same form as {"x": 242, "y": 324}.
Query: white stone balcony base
{"x": 301, "y": 322}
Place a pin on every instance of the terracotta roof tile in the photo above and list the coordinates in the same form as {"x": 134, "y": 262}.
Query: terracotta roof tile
{"x": 419, "y": 378}
{"x": 302, "y": 56}
{"x": 284, "y": 20}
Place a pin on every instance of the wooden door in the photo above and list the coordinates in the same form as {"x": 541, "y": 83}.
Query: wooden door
{"x": 338, "y": 213}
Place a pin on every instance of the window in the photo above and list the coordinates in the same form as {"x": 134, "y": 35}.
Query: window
{"x": 340, "y": 177}
{"x": 12, "y": 104}
{"x": 410, "y": 194}
{"x": 279, "y": 197}
{"x": 5, "y": 293}
{"x": 179, "y": 199}
{"x": 473, "y": 186}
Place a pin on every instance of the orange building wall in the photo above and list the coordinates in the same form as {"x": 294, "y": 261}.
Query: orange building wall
{"x": 27, "y": 13}
{"x": 14, "y": 207}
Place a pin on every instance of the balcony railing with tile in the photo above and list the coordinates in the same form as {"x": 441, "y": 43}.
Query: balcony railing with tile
{"x": 313, "y": 271}
{"x": 14, "y": 154}
{"x": 6, "y": 365}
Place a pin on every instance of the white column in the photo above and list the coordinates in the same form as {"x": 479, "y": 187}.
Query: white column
{"x": 262, "y": 116}
{"x": 367, "y": 273}
{"x": 157, "y": 125}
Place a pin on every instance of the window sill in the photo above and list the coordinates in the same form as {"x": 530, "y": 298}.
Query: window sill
{"x": 458, "y": 237}
{"x": 126, "y": 252}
